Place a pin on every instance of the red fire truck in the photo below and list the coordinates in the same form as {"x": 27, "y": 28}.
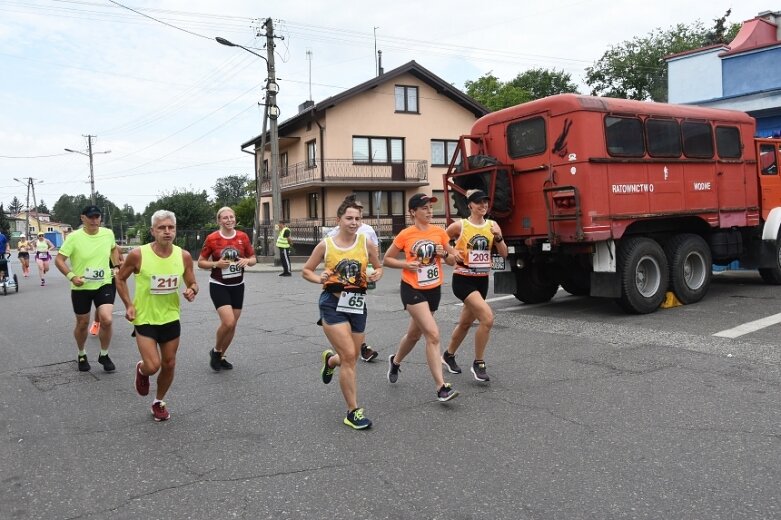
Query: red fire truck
{"x": 622, "y": 199}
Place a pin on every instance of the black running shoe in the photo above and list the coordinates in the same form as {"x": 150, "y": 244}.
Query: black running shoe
{"x": 449, "y": 360}
{"x": 357, "y": 420}
{"x": 83, "y": 363}
{"x": 446, "y": 393}
{"x": 327, "y": 373}
{"x": 214, "y": 360}
{"x": 108, "y": 365}
{"x": 393, "y": 370}
{"x": 225, "y": 364}
{"x": 478, "y": 370}
{"x": 367, "y": 353}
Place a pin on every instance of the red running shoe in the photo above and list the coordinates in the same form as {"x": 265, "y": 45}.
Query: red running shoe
{"x": 142, "y": 381}
{"x": 160, "y": 411}
{"x": 95, "y": 328}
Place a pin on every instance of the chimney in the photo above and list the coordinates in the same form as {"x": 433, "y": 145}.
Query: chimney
{"x": 306, "y": 105}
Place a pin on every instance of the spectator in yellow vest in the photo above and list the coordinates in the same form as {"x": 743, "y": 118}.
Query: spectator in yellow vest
{"x": 284, "y": 244}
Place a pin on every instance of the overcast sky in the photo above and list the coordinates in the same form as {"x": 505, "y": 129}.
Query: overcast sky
{"x": 173, "y": 106}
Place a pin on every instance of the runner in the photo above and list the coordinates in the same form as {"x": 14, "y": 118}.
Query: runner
{"x": 226, "y": 252}
{"x": 160, "y": 268}
{"x": 89, "y": 251}
{"x": 368, "y": 354}
{"x": 94, "y": 329}
{"x": 342, "y": 302}
{"x": 42, "y": 256}
{"x": 424, "y": 246}
{"x": 23, "y": 246}
{"x": 475, "y": 236}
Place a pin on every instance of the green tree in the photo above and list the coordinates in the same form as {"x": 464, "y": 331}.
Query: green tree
{"x": 68, "y": 208}
{"x": 230, "y": 190}
{"x": 539, "y": 83}
{"x": 41, "y": 207}
{"x": 495, "y": 94}
{"x": 5, "y": 224}
{"x": 245, "y": 212}
{"x": 193, "y": 209}
{"x": 15, "y": 207}
{"x": 636, "y": 69}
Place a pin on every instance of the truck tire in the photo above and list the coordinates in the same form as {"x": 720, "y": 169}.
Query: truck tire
{"x": 577, "y": 285}
{"x": 772, "y": 275}
{"x": 501, "y": 203}
{"x": 644, "y": 275}
{"x": 691, "y": 268}
{"x": 533, "y": 285}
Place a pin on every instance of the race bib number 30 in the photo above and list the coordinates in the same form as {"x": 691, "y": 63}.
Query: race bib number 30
{"x": 94, "y": 275}
{"x": 232, "y": 271}
{"x": 480, "y": 260}
{"x": 164, "y": 284}
{"x": 351, "y": 302}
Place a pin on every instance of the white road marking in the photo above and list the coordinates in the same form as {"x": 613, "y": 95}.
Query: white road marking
{"x": 750, "y": 327}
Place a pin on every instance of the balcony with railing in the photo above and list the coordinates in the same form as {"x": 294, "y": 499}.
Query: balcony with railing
{"x": 345, "y": 172}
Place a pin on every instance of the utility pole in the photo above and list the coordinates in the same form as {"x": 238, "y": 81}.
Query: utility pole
{"x": 30, "y": 184}
{"x": 89, "y": 154}
{"x": 273, "y": 88}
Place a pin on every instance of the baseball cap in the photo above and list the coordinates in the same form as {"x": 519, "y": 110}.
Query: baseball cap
{"x": 420, "y": 199}
{"x": 477, "y": 196}
{"x": 91, "y": 211}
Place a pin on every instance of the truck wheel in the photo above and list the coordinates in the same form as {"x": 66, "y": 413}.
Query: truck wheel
{"x": 533, "y": 286}
{"x": 577, "y": 286}
{"x": 772, "y": 275}
{"x": 691, "y": 269}
{"x": 644, "y": 275}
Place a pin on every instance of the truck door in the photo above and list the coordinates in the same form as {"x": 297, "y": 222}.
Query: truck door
{"x": 769, "y": 181}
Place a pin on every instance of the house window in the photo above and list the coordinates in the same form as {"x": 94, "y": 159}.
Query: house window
{"x": 265, "y": 174}
{"x": 266, "y": 212}
{"x": 442, "y": 151}
{"x": 286, "y": 210}
{"x": 439, "y": 205}
{"x": 283, "y": 165}
{"x": 378, "y": 150}
{"x": 313, "y": 202}
{"x": 391, "y": 203}
{"x": 406, "y": 99}
{"x": 311, "y": 154}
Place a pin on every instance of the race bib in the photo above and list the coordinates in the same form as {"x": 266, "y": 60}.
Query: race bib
{"x": 164, "y": 284}
{"x": 428, "y": 275}
{"x": 351, "y": 302}
{"x": 232, "y": 271}
{"x": 92, "y": 274}
{"x": 479, "y": 260}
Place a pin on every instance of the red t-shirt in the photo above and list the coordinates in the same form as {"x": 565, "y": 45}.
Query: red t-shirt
{"x": 421, "y": 246}
{"x": 217, "y": 246}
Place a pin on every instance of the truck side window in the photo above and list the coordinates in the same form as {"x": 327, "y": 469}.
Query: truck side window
{"x": 624, "y": 136}
{"x": 728, "y": 142}
{"x": 767, "y": 159}
{"x": 525, "y": 138}
{"x": 697, "y": 140}
{"x": 664, "y": 137}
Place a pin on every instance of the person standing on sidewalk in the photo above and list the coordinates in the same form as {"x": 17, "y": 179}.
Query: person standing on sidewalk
{"x": 284, "y": 243}
{"x": 43, "y": 246}
{"x": 89, "y": 251}
{"x": 475, "y": 236}
{"x": 226, "y": 252}
{"x": 160, "y": 270}
{"x": 368, "y": 354}
{"x": 343, "y": 302}
{"x": 425, "y": 247}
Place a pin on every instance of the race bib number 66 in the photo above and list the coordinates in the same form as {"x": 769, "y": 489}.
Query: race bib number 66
{"x": 164, "y": 284}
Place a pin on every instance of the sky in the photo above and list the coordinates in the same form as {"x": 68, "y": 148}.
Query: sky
{"x": 172, "y": 106}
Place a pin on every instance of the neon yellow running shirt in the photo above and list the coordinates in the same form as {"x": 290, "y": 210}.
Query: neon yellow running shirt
{"x": 157, "y": 287}
{"x": 89, "y": 257}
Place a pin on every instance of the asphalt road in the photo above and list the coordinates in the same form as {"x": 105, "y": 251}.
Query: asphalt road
{"x": 590, "y": 414}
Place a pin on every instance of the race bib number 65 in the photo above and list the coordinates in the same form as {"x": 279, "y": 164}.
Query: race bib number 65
{"x": 164, "y": 284}
{"x": 352, "y": 303}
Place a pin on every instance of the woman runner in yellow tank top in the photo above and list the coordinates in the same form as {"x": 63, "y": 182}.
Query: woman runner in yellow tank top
{"x": 475, "y": 236}
{"x": 343, "y": 302}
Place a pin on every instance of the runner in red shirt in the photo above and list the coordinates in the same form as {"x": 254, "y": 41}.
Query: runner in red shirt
{"x": 226, "y": 252}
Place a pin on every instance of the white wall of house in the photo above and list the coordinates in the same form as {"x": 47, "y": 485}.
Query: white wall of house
{"x": 695, "y": 77}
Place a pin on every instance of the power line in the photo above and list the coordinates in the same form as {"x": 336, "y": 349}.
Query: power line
{"x": 159, "y": 21}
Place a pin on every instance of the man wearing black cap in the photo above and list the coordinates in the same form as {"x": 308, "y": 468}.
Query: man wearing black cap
{"x": 89, "y": 251}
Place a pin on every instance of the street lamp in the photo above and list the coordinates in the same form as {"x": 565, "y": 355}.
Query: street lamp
{"x": 30, "y": 183}
{"x": 270, "y": 112}
{"x": 91, "y": 169}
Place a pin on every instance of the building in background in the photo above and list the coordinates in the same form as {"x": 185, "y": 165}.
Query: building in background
{"x": 742, "y": 75}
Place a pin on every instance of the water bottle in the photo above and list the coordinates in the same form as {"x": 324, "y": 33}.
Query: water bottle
{"x": 369, "y": 272}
